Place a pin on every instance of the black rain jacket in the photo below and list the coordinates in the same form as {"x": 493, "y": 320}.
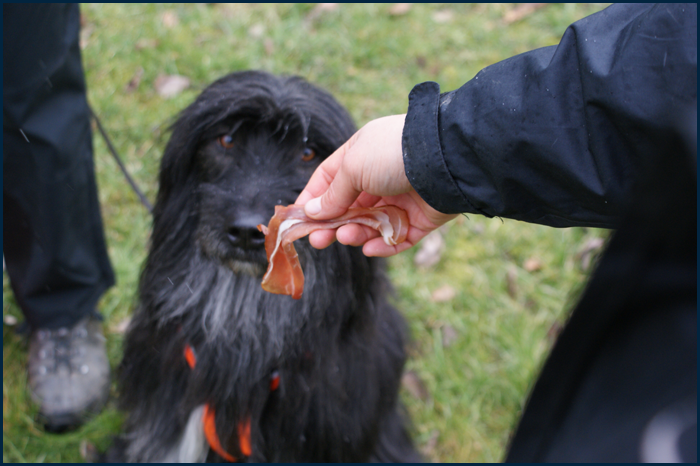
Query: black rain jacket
{"x": 554, "y": 136}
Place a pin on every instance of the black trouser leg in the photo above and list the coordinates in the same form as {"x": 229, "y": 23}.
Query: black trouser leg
{"x": 53, "y": 243}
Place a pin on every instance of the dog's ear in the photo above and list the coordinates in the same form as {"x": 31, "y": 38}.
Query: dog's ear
{"x": 176, "y": 166}
{"x": 174, "y": 211}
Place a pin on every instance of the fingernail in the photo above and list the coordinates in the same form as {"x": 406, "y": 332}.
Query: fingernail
{"x": 313, "y": 207}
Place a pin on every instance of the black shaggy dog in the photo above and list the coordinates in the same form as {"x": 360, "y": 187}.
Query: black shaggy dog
{"x": 275, "y": 379}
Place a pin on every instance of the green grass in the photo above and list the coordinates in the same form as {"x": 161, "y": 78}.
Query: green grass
{"x": 369, "y": 60}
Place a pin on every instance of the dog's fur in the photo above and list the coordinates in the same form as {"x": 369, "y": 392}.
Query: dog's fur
{"x": 339, "y": 350}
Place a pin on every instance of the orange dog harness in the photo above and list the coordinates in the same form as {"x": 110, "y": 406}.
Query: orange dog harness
{"x": 209, "y": 418}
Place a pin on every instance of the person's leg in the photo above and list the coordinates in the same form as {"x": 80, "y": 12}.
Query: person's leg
{"x": 53, "y": 244}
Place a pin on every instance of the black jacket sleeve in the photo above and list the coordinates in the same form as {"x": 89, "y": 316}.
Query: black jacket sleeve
{"x": 554, "y": 136}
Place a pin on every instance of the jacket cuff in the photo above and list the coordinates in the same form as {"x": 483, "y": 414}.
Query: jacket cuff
{"x": 422, "y": 154}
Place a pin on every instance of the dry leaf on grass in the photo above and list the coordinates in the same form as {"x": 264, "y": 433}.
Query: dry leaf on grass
{"x": 120, "y": 327}
{"x": 171, "y": 85}
{"x": 477, "y": 228}
{"x": 256, "y": 31}
{"x": 320, "y": 9}
{"x": 521, "y": 11}
{"x": 554, "y": 331}
{"x": 269, "y": 46}
{"x": 135, "y": 81}
{"x": 443, "y": 294}
{"x": 170, "y": 19}
{"x": 145, "y": 43}
{"x": 85, "y": 33}
{"x": 590, "y": 249}
{"x": 443, "y": 16}
{"x": 399, "y": 9}
{"x": 324, "y": 7}
{"x": 88, "y": 451}
{"x": 430, "y": 251}
{"x": 9, "y": 320}
{"x": 532, "y": 264}
{"x": 415, "y": 386}
{"x": 449, "y": 335}
{"x": 428, "y": 449}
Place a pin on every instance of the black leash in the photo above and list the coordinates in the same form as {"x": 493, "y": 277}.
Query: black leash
{"x": 136, "y": 189}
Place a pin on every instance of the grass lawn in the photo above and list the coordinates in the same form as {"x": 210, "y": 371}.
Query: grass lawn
{"x": 482, "y": 318}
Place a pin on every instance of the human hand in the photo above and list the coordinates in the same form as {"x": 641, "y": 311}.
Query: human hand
{"x": 368, "y": 171}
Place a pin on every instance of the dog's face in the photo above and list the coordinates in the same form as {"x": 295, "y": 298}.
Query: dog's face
{"x": 259, "y": 143}
{"x": 245, "y": 168}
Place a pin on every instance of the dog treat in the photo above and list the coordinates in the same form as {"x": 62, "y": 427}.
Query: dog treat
{"x": 284, "y": 274}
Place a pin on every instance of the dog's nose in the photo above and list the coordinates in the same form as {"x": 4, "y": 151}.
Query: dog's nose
{"x": 244, "y": 233}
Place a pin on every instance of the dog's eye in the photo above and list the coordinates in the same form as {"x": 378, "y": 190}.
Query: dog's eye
{"x": 308, "y": 154}
{"x": 226, "y": 141}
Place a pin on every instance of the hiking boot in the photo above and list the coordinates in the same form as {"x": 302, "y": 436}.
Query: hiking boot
{"x": 68, "y": 374}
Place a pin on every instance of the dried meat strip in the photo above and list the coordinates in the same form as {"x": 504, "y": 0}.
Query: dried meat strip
{"x": 284, "y": 274}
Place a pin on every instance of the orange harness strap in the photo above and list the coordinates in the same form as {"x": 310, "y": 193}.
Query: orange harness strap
{"x": 190, "y": 357}
{"x": 209, "y": 418}
{"x": 209, "y": 422}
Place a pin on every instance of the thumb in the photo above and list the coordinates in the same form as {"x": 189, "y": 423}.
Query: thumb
{"x": 341, "y": 194}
